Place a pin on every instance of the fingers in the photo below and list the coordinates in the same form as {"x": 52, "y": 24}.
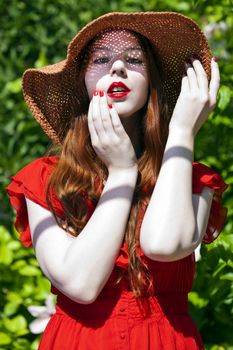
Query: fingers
{"x": 100, "y": 122}
{"x": 201, "y": 76}
{"x": 185, "y": 84}
{"x": 192, "y": 79}
{"x": 214, "y": 83}
{"x": 116, "y": 122}
{"x": 196, "y": 81}
{"x": 104, "y": 112}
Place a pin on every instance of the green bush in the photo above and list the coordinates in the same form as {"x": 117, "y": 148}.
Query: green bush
{"x": 22, "y": 285}
{"x": 34, "y": 34}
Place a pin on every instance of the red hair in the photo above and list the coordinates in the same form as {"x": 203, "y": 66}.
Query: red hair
{"x": 79, "y": 171}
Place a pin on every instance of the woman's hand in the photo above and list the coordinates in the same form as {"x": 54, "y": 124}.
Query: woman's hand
{"x": 108, "y": 136}
{"x": 197, "y": 98}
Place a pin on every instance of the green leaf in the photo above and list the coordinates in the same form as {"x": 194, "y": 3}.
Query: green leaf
{"x": 6, "y": 255}
{"x": 225, "y": 95}
{"x": 21, "y": 344}
{"x": 14, "y": 245}
{"x": 10, "y": 308}
{"x": 19, "y": 264}
{"x": 196, "y": 300}
{"x": 220, "y": 268}
{"x": 21, "y": 332}
{"x": 4, "y": 339}
{"x": 15, "y": 324}
{"x": 230, "y": 263}
{"x": 43, "y": 284}
{"x": 4, "y": 234}
{"x": 30, "y": 271}
{"x": 41, "y": 61}
{"x": 14, "y": 298}
{"x": 227, "y": 276}
{"x": 14, "y": 86}
{"x": 27, "y": 290}
{"x": 33, "y": 262}
{"x": 35, "y": 343}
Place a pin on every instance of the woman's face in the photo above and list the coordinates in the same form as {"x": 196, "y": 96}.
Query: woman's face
{"x": 117, "y": 65}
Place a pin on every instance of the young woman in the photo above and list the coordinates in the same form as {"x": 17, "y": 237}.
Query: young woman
{"x": 116, "y": 215}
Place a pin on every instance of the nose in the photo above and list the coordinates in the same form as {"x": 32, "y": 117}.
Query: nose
{"x": 118, "y": 67}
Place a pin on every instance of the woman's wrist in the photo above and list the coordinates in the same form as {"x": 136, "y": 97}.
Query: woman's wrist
{"x": 133, "y": 169}
{"x": 180, "y": 131}
{"x": 180, "y": 143}
{"x": 181, "y": 137}
{"x": 127, "y": 175}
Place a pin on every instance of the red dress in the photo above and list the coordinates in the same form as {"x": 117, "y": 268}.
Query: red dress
{"x": 118, "y": 320}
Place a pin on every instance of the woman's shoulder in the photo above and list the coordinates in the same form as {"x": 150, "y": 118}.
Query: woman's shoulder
{"x": 39, "y": 166}
{"x": 31, "y": 182}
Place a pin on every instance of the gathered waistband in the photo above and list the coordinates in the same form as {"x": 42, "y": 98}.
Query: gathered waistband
{"x": 125, "y": 306}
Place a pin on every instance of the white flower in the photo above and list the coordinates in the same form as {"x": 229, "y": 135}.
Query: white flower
{"x": 42, "y": 314}
{"x": 198, "y": 253}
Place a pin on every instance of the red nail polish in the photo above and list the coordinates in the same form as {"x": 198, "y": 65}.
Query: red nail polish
{"x": 110, "y": 105}
{"x": 101, "y": 93}
{"x": 96, "y": 92}
{"x": 214, "y": 59}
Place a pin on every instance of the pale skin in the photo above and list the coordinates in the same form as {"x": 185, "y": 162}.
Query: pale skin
{"x": 166, "y": 235}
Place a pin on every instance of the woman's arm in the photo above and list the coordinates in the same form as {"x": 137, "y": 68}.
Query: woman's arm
{"x": 80, "y": 267}
{"x": 175, "y": 220}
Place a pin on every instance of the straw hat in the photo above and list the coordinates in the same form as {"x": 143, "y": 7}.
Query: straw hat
{"x": 52, "y": 93}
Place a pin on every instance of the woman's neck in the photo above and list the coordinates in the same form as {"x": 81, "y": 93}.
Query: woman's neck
{"x": 133, "y": 127}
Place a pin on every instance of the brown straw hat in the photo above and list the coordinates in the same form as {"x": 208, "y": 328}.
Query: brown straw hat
{"x": 52, "y": 92}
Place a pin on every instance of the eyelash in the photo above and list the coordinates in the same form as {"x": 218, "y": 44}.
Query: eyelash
{"x": 103, "y": 60}
{"x": 134, "y": 61}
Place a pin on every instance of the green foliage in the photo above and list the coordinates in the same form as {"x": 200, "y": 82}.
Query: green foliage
{"x": 211, "y": 302}
{"x": 22, "y": 285}
{"x": 34, "y": 34}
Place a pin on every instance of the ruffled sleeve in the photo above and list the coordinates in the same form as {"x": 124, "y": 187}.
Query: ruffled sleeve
{"x": 123, "y": 258}
{"x": 31, "y": 181}
{"x": 203, "y": 176}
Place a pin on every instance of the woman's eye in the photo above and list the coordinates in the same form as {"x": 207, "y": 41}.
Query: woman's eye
{"x": 101, "y": 60}
{"x": 134, "y": 60}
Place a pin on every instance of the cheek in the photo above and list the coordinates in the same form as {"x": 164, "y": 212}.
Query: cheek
{"x": 143, "y": 87}
{"x": 90, "y": 84}
{"x": 139, "y": 76}
{"x": 91, "y": 81}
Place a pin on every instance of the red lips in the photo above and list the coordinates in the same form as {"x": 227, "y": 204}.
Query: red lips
{"x": 122, "y": 92}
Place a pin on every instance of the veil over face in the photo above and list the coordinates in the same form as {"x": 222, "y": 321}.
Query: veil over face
{"x": 117, "y": 56}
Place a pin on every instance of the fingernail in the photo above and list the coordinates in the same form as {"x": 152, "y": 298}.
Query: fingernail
{"x": 214, "y": 59}
{"x": 101, "y": 93}
{"x": 110, "y": 105}
{"x": 96, "y": 92}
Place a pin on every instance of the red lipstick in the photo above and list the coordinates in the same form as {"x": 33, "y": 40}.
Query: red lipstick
{"x": 118, "y": 90}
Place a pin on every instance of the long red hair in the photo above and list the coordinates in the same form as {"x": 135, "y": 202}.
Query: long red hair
{"x": 78, "y": 177}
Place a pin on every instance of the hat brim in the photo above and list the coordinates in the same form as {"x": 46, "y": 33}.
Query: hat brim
{"x": 48, "y": 91}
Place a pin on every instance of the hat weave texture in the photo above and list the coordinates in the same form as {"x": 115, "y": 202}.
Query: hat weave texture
{"x": 52, "y": 92}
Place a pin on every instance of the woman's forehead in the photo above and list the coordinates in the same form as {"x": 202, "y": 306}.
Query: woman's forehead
{"x": 119, "y": 39}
